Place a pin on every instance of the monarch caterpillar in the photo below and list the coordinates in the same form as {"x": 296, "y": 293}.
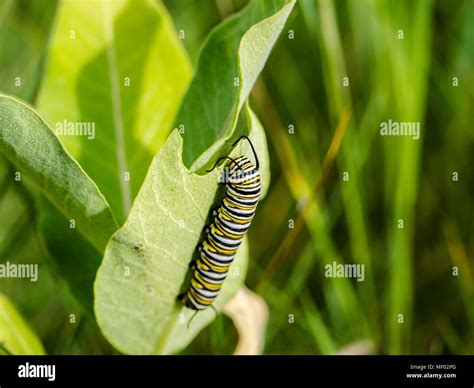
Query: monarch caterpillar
{"x": 224, "y": 235}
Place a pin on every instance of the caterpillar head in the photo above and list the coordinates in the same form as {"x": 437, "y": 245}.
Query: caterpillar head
{"x": 242, "y": 170}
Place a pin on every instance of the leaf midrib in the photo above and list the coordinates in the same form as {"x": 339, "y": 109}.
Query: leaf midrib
{"x": 120, "y": 150}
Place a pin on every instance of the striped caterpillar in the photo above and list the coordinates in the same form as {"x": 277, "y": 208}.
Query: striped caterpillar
{"x": 225, "y": 233}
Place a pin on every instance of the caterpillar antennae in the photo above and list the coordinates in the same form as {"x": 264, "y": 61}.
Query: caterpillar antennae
{"x": 221, "y": 158}
{"x": 251, "y": 145}
{"x": 190, "y": 319}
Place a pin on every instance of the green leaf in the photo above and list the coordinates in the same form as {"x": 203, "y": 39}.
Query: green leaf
{"x": 87, "y": 81}
{"x": 15, "y": 335}
{"x": 146, "y": 261}
{"x": 173, "y": 335}
{"x": 29, "y": 143}
{"x": 120, "y": 67}
{"x": 223, "y": 80}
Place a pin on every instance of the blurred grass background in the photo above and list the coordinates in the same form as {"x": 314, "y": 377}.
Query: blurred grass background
{"x": 408, "y": 271}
